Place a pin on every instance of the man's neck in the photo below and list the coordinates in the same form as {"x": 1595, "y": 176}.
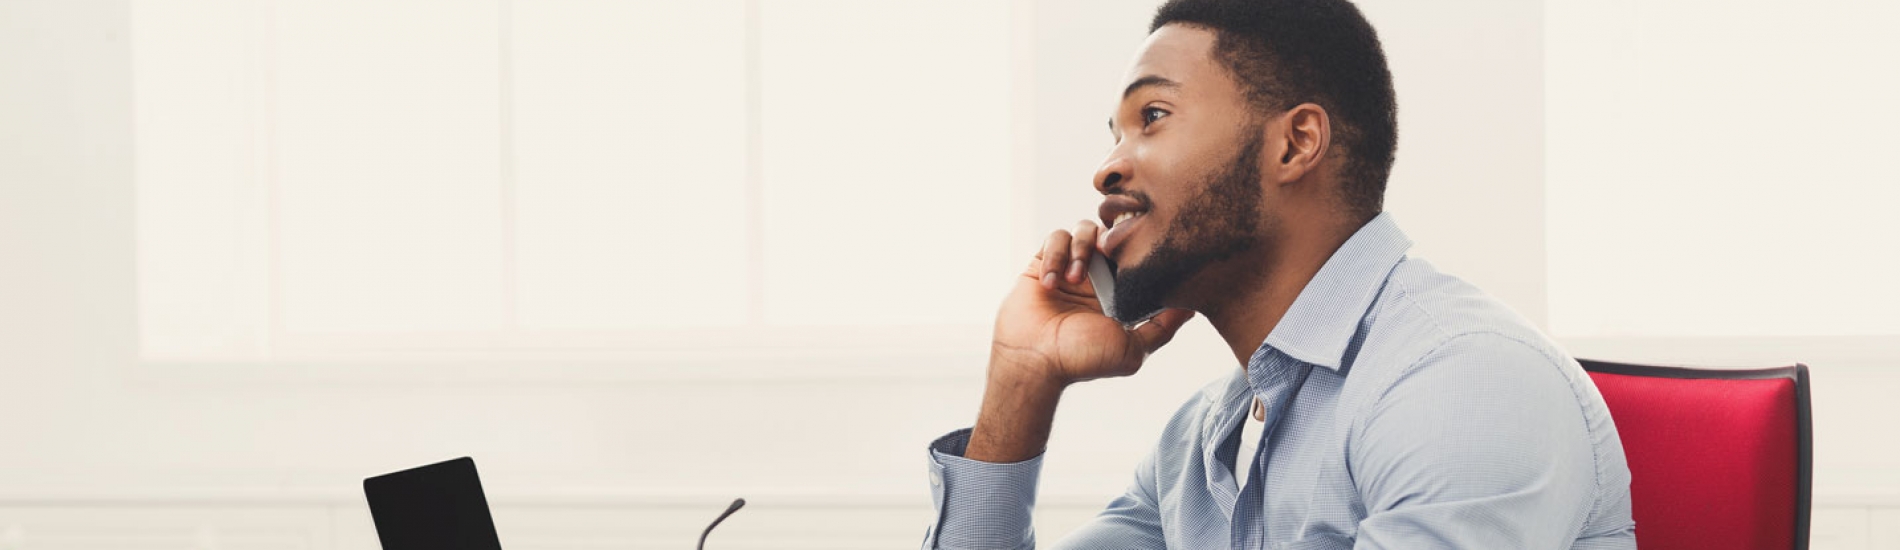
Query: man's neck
{"x": 1257, "y": 301}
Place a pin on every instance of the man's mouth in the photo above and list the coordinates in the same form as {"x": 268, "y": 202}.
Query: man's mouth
{"x": 1120, "y": 233}
{"x": 1121, "y": 216}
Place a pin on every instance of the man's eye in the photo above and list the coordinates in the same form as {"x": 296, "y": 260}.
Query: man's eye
{"x": 1151, "y": 114}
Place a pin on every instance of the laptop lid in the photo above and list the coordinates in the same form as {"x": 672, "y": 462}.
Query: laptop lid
{"x": 439, "y": 506}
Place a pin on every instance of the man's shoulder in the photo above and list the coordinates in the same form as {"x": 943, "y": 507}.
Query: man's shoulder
{"x": 1433, "y": 329}
{"x": 1451, "y": 357}
{"x": 1435, "y": 316}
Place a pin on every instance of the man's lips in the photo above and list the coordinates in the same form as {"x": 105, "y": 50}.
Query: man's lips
{"x": 1111, "y": 241}
{"x": 1115, "y": 206}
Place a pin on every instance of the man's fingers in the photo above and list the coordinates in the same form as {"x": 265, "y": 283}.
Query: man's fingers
{"x": 1080, "y": 248}
{"x": 1055, "y": 256}
{"x": 1160, "y": 329}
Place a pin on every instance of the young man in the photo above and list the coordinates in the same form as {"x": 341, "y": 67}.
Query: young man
{"x": 1378, "y": 404}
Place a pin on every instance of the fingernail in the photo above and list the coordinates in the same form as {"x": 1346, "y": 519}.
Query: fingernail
{"x": 1049, "y": 280}
{"x": 1075, "y": 271}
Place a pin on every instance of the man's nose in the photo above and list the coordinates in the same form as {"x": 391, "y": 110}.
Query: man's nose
{"x": 1112, "y": 174}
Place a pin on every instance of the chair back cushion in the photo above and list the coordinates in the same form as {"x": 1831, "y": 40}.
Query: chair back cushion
{"x": 1713, "y": 462}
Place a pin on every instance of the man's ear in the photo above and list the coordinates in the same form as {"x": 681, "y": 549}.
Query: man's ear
{"x": 1305, "y": 133}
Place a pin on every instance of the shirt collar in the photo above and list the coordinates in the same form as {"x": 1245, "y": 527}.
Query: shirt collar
{"x": 1322, "y": 320}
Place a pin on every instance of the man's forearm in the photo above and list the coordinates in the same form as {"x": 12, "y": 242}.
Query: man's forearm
{"x": 1018, "y": 410}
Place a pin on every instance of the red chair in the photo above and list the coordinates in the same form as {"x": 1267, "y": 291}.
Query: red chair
{"x": 1718, "y": 458}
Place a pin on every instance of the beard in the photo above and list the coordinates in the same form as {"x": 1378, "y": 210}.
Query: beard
{"x": 1214, "y": 225}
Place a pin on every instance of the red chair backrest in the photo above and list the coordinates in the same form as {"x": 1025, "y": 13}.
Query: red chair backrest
{"x": 1718, "y": 458}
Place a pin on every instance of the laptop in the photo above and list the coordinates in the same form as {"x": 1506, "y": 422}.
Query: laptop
{"x": 434, "y": 507}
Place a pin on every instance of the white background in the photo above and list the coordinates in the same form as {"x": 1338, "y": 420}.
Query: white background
{"x": 1654, "y": 181}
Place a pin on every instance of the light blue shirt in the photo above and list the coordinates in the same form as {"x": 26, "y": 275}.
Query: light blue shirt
{"x": 1418, "y": 413}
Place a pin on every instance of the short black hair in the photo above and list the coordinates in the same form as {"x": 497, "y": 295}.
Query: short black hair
{"x": 1287, "y": 52}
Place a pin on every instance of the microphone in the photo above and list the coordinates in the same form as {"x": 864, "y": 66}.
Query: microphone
{"x": 737, "y": 503}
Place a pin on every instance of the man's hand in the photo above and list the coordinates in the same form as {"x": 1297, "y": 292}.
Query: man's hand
{"x": 1053, "y": 323}
{"x": 1049, "y": 334}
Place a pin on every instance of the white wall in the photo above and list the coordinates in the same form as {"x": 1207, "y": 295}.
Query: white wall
{"x": 175, "y": 459}
{"x": 96, "y": 444}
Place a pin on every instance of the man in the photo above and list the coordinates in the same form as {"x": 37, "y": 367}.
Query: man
{"x": 1378, "y": 403}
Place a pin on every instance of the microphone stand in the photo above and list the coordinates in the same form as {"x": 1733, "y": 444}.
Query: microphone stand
{"x": 736, "y": 505}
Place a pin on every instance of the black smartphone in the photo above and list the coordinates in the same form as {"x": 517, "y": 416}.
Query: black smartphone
{"x": 1102, "y": 277}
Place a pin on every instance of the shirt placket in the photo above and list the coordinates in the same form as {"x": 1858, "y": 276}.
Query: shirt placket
{"x": 1275, "y": 380}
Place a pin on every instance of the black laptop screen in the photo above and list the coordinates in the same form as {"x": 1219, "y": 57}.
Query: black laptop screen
{"x": 434, "y": 507}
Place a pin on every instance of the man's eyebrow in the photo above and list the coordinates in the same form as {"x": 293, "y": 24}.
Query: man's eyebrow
{"x": 1146, "y": 81}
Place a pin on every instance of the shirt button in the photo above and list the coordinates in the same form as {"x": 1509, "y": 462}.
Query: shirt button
{"x": 936, "y": 479}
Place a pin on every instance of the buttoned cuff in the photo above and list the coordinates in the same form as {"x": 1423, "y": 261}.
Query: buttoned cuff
{"x": 980, "y": 504}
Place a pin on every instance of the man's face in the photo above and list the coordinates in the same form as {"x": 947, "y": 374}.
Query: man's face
{"x": 1187, "y": 157}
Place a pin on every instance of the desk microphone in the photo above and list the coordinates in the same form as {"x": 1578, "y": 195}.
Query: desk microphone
{"x": 737, "y": 503}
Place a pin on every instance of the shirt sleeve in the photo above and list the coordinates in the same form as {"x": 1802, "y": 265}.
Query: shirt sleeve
{"x": 980, "y": 505}
{"x": 1482, "y": 444}
{"x": 987, "y": 505}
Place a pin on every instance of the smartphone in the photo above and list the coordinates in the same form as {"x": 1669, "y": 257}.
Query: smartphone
{"x": 1102, "y": 277}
